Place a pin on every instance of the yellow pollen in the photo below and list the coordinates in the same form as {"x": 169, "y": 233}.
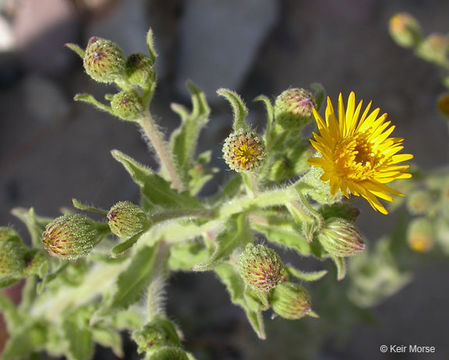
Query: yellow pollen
{"x": 246, "y": 153}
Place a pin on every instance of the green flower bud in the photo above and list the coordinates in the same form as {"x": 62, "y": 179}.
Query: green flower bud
{"x": 434, "y": 48}
{"x": 12, "y": 254}
{"x": 419, "y": 202}
{"x": 243, "y": 151}
{"x": 140, "y": 70}
{"x": 291, "y": 301}
{"x": 158, "y": 333}
{"x": 340, "y": 238}
{"x": 293, "y": 108}
{"x": 405, "y": 30}
{"x": 168, "y": 353}
{"x": 127, "y": 219}
{"x": 127, "y": 105}
{"x": 261, "y": 268}
{"x": 420, "y": 235}
{"x": 104, "y": 60}
{"x": 70, "y": 236}
{"x": 37, "y": 263}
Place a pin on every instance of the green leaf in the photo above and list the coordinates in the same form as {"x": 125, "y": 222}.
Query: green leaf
{"x": 236, "y": 288}
{"x": 238, "y": 107}
{"x": 32, "y": 337}
{"x": 150, "y": 45}
{"x": 199, "y": 173}
{"x": 77, "y": 204}
{"x": 132, "y": 282}
{"x": 236, "y": 234}
{"x": 306, "y": 276}
{"x": 183, "y": 140}
{"x": 230, "y": 189}
{"x": 270, "y": 118}
{"x": 79, "y": 336}
{"x": 284, "y": 233}
{"x": 186, "y": 254}
{"x": 156, "y": 192}
{"x": 320, "y": 93}
{"x": 122, "y": 247}
{"x": 340, "y": 263}
{"x": 35, "y": 224}
{"x": 75, "y": 48}
{"x": 89, "y": 99}
{"x": 10, "y": 313}
{"x": 109, "y": 338}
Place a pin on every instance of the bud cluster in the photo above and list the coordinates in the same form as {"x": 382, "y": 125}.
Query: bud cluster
{"x": 243, "y": 151}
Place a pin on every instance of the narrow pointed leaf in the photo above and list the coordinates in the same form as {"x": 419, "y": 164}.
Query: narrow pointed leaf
{"x": 238, "y": 107}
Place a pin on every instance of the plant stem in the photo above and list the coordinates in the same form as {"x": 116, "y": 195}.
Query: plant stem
{"x": 160, "y": 146}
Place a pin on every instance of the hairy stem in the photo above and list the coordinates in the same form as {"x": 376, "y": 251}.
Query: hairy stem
{"x": 160, "y": 146}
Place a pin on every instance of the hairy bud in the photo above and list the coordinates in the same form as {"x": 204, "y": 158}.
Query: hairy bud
{"x": 434, "y": 48}
{"x": 340, "y": 238}
{"x": 291, "y": 301}
{"x": 261, "y": 268}
{"x": 12, "y": 254}
{"x": 405, "y": 30}
{"x": 104, "y": 60}
{"x": 158, "y": 333}
{"x": 420, "y": 235}
{"x": 293, "y": 108}
{"x": 419, "y": 202}
{"x": 127, "y": 219}
{"x": 127, "y": 105}
{"x": 70, "y": 236}
{"x": 140, "y": 70}
{"x": 243, "y": 151}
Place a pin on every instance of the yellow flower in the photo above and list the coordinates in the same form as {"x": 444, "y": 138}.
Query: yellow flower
{"x": 357, "y": 155}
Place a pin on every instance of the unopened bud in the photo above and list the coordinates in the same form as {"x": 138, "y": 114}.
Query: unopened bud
{"x": 127, "y": 105}
{"x": 127, "y": 219}
{"x": 243, "y": 151}
{"x": 434, "y": 48}
{"x": 443, "y": 105}
{"x": 70, "y": 236}
{"x": 12, "y": 254}
{"x": 340, "y": 238}
{"x": 140, "y": 70}
{"x": 104, "y": 60}
{"x": 405, "y": 30}
{"x": 291, "y": 301}
{"x": 158, "y": 333}
{"x": 420, "y": 235}
{"x": 293, "y": 108}
{"x": 168, "y": 353}
{"x": 419, "y": 202}
{"x": 261, "y": 268}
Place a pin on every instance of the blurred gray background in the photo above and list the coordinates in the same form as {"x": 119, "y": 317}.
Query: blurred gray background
{"x": 53, "y": 150}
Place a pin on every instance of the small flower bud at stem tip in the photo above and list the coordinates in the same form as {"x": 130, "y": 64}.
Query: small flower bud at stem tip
{"x": 243, "y": 151}
{"x": 261, "y": 268}
{"x": 127, "y": 219}
{"x": 70, "y": 236}
{"x": 293, "y": 108}
{"x": 340, "y": 238}
{"x": 291, "y": 301}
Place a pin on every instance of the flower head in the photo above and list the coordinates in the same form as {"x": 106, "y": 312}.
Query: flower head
{"x": 243, "y": 151}
{"x": 357, "y": 155}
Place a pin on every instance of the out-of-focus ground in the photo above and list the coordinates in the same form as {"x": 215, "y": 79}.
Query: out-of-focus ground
{"x": 53, "y": 150}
